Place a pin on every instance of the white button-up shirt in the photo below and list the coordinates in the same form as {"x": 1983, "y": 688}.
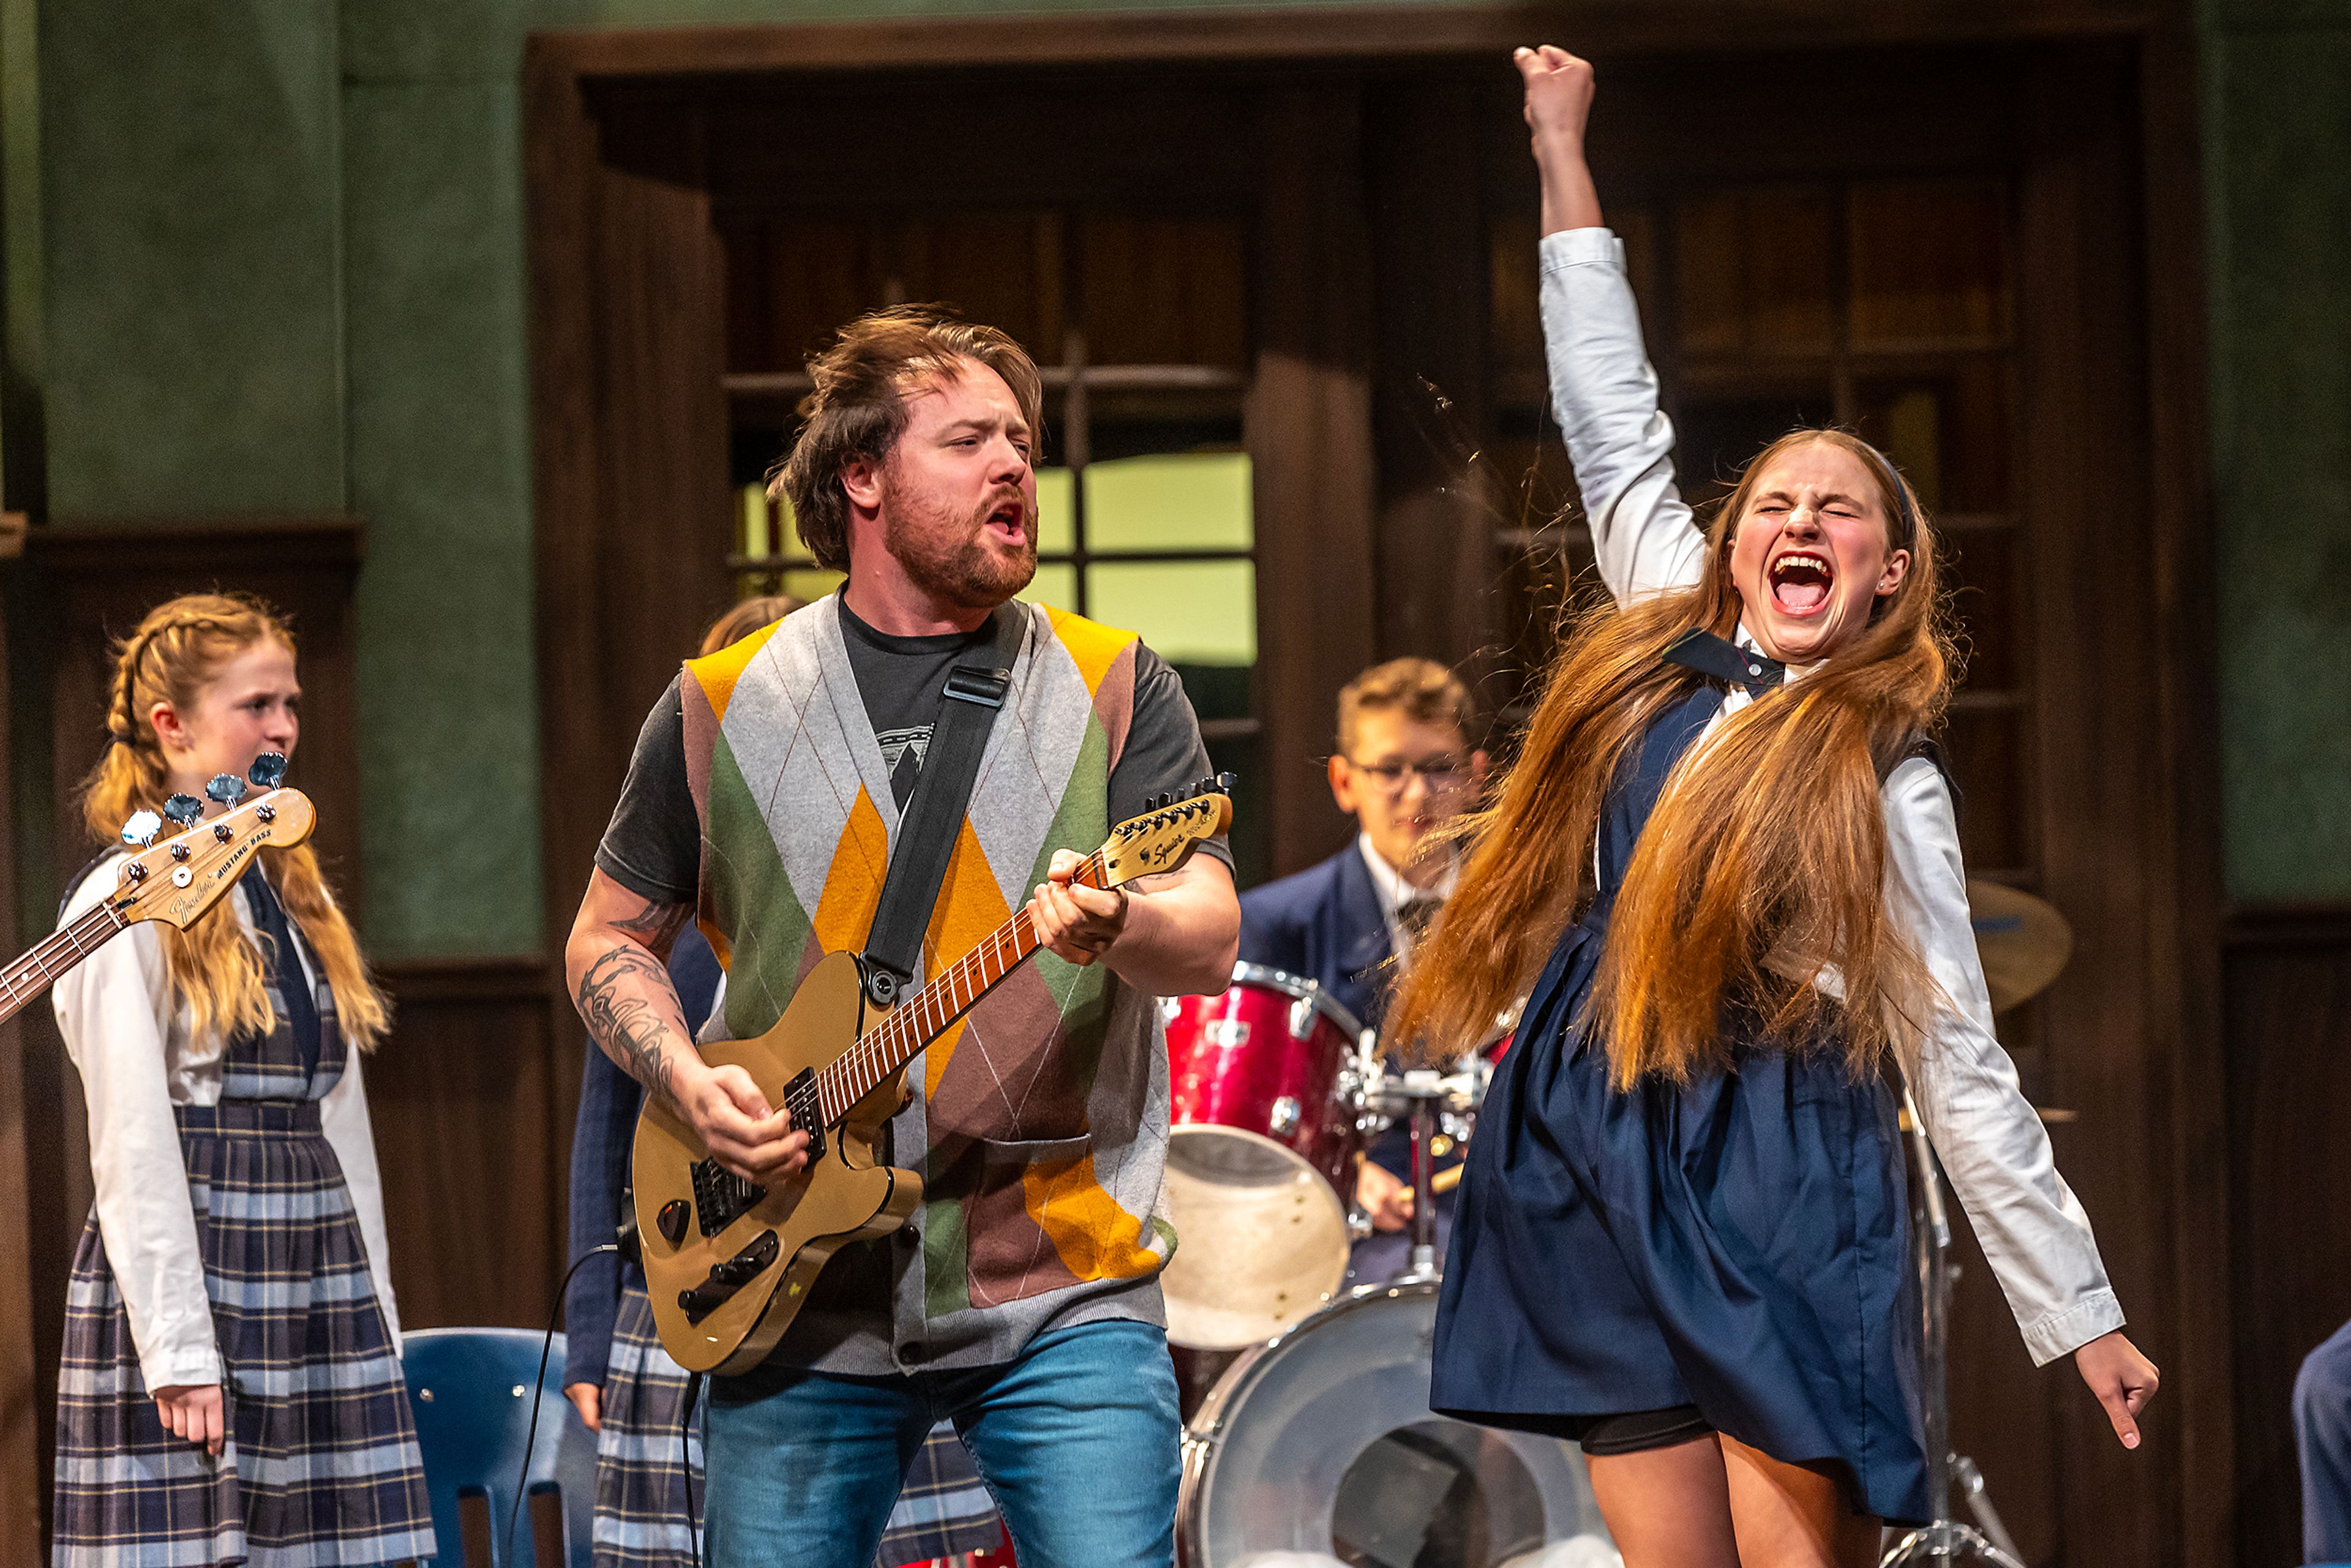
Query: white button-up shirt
{"x": 129, "y": 1040}
{"x": 2033, "y": 1231}
{"x": 1394, "y": 893}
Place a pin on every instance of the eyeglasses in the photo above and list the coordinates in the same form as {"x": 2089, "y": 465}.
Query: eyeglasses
{"x": 1440, "y": 773}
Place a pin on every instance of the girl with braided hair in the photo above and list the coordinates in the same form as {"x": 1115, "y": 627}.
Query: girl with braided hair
{"x": 230, "y": 1389}
{"x": 1728, "y": 857}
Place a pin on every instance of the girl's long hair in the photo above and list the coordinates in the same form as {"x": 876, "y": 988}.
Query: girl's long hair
{"x": 1764, "y": 860}
{"x": 178, "y": 651}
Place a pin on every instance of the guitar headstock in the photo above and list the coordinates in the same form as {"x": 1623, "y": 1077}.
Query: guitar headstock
{"x": 1164, "y": 836}
{"x": 176, "y": 880}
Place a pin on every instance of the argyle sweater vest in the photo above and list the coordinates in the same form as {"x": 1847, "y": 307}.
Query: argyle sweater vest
{"x": 1039, "y": 1119}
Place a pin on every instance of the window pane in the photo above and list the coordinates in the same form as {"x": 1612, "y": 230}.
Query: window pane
{"x": 1057, "y": 528}
{"x": 808, "y": 587}
{"x": 1193, "y": 500}
{"x": 1199, "y": 613}
{"x": 1054, "y": 584}
{"x": 1986, "y": 752}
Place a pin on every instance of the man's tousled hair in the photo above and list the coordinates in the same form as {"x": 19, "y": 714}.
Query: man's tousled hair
{"x": 857, "y": 409}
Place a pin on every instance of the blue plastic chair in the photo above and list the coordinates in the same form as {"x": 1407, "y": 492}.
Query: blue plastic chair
{"x": 470, "y": 1391}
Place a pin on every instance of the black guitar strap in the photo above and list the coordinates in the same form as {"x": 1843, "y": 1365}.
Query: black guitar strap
{"x": 927, "y": 834}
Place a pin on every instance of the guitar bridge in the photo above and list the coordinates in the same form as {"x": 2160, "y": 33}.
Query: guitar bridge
{"x": 721, "y": 1198}
{"x": 725, "y": 1278}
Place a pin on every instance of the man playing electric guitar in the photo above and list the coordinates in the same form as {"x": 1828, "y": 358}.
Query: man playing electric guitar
{"x": 765, "y": 798}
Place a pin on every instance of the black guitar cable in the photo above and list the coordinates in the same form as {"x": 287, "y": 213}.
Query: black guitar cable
{"x": 539, "y": 1391}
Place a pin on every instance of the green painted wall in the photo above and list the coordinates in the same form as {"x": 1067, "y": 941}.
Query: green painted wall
{"x": 285, "y": 272}
{"x": 2277, "y": 118}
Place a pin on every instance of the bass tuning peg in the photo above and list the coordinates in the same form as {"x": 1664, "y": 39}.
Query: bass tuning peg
{"x": 141, "y": 829}
{"x": 226, "y": 788}
{"x": 268, "y": 771}
{"x": 185, "y": 810}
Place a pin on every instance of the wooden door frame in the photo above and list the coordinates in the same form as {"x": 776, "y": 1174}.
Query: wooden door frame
{"x": 2178, "y": 1123}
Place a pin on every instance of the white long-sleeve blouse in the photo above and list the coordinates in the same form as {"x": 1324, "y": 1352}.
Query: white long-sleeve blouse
{"x": 2033, "y": 1231}
{"x": 131, "y": 1040}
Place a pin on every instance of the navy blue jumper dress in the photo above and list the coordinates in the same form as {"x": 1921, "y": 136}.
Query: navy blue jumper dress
{"x": 1740, "y": 1243}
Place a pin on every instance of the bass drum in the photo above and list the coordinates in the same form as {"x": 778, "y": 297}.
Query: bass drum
{"x": 1319, "y": 1448}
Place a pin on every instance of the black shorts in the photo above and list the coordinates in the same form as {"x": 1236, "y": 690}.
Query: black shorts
{"x": 1638, "y": 1431}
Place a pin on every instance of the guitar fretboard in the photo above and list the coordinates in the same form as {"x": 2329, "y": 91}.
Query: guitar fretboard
{"x": 925, "y": 1015}
{"x": 32, "y": 973}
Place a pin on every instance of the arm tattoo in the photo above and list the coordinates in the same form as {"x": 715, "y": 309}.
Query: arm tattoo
{"x": 654, "y": 926}
{"x": 625, "y": 1022}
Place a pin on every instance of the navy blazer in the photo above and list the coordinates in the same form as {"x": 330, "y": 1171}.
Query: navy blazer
{"x": 1324, "y": 924}
{"x": 602, "y": 1138}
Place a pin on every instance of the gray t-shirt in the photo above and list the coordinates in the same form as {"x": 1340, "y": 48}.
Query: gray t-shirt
{"x": 652, "y": 846}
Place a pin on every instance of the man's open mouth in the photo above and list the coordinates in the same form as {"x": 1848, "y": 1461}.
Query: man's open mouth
{"x": 1800, "y": 581}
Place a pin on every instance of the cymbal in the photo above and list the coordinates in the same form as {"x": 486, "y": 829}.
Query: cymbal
{"x": 2023, "y": 940}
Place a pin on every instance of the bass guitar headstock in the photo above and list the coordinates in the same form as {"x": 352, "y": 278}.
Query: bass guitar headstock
{"x": 1164, "y": 836}
{"x": 178, "y": 880}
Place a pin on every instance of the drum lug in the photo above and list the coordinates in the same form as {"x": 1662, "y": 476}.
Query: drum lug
{"x": 1301, "y": 1017}
{"x": 1285, "y": 1117}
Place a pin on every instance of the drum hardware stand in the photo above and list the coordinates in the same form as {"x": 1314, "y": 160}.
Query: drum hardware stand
{"x": 1943, "y": 1540}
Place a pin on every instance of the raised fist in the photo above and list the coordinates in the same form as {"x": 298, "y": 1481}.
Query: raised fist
{"x": 1558, "y": 93}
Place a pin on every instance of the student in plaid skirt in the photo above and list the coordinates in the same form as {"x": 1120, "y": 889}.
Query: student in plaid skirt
{"x": 626, "y": 1387}
{"x": 230, "y": 1390}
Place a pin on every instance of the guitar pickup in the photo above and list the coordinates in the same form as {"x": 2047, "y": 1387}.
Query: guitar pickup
{"x": 727, "y": 1278}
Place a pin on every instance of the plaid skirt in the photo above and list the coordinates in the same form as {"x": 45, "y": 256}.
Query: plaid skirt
{"x": 641, "y": 1520}
{"x": 321, "y": 1465}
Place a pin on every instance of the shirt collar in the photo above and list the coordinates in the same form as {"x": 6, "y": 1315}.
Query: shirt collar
{"x": 1388, "y": 883}
{"x": 1742, "y": 638}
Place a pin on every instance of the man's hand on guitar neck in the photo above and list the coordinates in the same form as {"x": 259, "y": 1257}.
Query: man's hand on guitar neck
{"x": 613, "y": 964}
{"x": 1173, "y": 934}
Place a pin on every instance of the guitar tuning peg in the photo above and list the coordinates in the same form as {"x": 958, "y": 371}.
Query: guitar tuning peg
{"x": 226, "y": 788}
{"x": 183, "y": 809}
{"x": 1154, "y": 804}
{"x": 268, "y": 771}
{"x": 140, "y": 831}
{"x": 1225, "y": 782}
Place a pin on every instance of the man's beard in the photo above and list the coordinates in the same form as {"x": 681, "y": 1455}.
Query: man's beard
{"x": 951, "y": 559}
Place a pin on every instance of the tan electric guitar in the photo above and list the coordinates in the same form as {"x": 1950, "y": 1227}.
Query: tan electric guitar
{"x": 173, "y": 882}
{"x": 728, "y": 1262}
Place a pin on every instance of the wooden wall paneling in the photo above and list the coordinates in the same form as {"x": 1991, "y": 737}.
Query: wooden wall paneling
{"x": 2107, "y": 830}
{"x": 473, "y": 1102}
{"x": 1325, "y": 34}
{"x": 1309, "y": 428}
{"x": 1435, "y": 591}
{"x": 2179, "y": 516}
{"x": 21, "y": 1426}
{"x": 2288, "y": 1178}
{"x": 629, "y": 347}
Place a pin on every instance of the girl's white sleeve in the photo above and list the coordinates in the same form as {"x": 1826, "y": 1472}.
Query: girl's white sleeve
{"x": 112, "y": 1009}
{"x": 343, "y": 1113}
{"x": 2032, "y": 1228}
{"x": 1620, "y": 442}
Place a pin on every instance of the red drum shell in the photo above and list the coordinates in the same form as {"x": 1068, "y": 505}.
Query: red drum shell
{"x": 1265, "y": 1056}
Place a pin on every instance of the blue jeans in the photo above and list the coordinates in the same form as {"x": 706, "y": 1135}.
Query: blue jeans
{"x": 1077, "y": 1439}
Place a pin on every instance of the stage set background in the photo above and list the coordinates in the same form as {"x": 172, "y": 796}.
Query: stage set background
{"x": 458, "y": 327}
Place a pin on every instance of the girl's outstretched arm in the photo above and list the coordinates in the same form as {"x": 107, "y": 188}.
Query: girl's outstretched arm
{"x": 1602, "y": 387}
